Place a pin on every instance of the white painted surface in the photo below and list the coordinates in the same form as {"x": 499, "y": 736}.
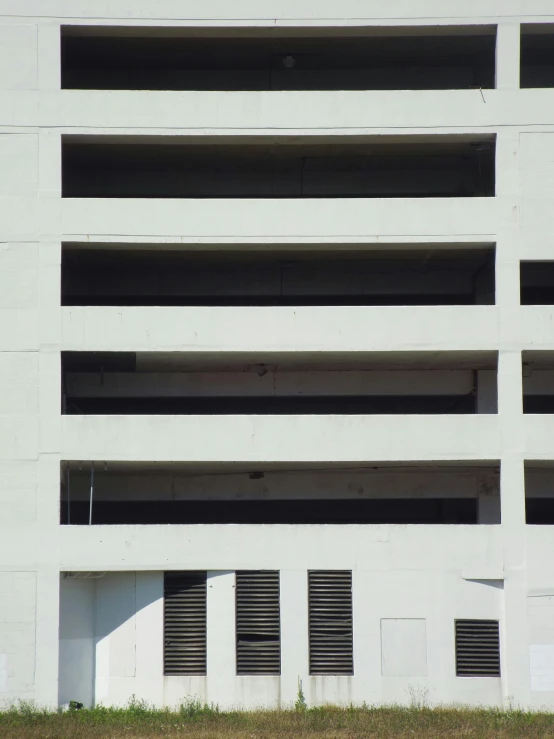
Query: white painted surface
{"x": 18, "y": 57}
{"x": 281, "y": 329}
{"x": 76, "y": 665}
{"x": 283, "y": 438}
{"x": 395, "y": 568}
{"x": 221, "y": 662}
{"x": 542, "y": 667}
{"x": 3, "y": 673}
{"x": 18, "y": 611}
{"x": 403, "y": 647}
{"x": 427, "y": 671}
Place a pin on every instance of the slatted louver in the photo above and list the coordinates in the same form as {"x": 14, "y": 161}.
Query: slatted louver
{"x": 258, "y": 623}
{"x": 477, "y": 649}
{"x": 185, "y": 623}
{"x": 330, "y": 622}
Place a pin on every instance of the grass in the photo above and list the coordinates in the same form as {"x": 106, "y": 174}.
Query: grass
{"x": 197, "y": 721}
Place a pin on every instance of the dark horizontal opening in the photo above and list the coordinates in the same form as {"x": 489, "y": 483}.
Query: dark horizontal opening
{"x": 274, "y": 405}
{"x": 537, "y": 283}
{"x": 537, "y": 58}
{"x": 453, "y": 168}
{"x": 125, "y": 277}
{"x": 538, "y": 382}
{"x": 542, "y": 295}
{"x": 105, "y": 383}
{"x": 258, "y": 638}
{"x": 270, "y": 301}
{"x": 99, "y": 362}
{"x": 343, "y": 511}
{"x": 538, "y": 404}
{"x": 539, "y": 511}
{"x": 276, "y": 62}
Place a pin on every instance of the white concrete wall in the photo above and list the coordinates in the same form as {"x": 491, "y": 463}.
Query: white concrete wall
{"x": 128, "y": 615}
{"x": 284, "y": 438}
{"x": 34, "y": 220}
{"x": 17, "y": 635}
{"x": 77, "y": 635}
{"x": 341, "y": 329}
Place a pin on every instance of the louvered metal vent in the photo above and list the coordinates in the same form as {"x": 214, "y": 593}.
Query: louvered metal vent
{"x": 258, "y": 623}
{"x": 330, "y": 622}
{"x": 477, "y": 649}
{"x": 185, "y": 623}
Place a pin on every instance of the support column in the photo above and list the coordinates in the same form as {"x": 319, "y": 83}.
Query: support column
{"x": 294, "y": 634}
{"x": 510, "y": 403}
{"x": 487, "y": 394}
{"x": 508, "y": 240}
{"x": 50, "y": 410}
{"x": 49, "y": 300}
{"x": 49, "y": 56}
{"x": 149, "y": 636}
{"x": 514, "y": 631}
{"x": 508, "y": 56}
{"x": 50, "y": 169}
{"x": 488, "y": 509}
{"x": 221, "y": 657}
{"x": 515, "y": 671}
{"x": 47, "y": 630}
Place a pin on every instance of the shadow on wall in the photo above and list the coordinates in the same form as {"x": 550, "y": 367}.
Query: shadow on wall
{"x": 498, "y": 584}
{"x": 98, "y": 624}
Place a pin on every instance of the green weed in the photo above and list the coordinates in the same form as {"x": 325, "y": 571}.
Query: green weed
{"x": 196, "y": 720}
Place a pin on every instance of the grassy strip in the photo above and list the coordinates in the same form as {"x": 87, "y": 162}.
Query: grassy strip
{"x": 197, "y": 721}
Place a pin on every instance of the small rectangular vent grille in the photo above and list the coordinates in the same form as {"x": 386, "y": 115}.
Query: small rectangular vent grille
{"x": 258, "y": 623}
{"x": 185, "y": 623}
{"x": 330, "y": 622}
{"x": 477, "y": 649}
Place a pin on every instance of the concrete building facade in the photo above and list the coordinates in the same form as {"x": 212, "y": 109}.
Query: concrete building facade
{"x": 263, "y": 267}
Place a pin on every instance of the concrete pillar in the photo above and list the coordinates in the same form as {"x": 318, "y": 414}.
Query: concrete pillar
{"x": 77, "y": 641}
{"x": 487, "y": 400}
{"x": 294, "y": 634}
{"x": 49, "y": 56}
{"x": 508, "y": 173}
{"x": 49, "y": 356}
{"x": 512, "y": 484}
{"x": 48, "y": 495}
{"x": 488, "y": 509}
{"x": 50, "y": 164}
{"x": 367, "y": 611}
{"x": 47, "y": 629}
{"x": 507, "y": 56}
{"x": 49, "y": 294}
{"x": 221, "y": 657}
{"x": 515, "y": 669}
{"x": 50, "y": 413}
{"x": 507, "y": 288}
{"x": 115, "y": 636}
{"x": 149, "y": 636}
{"x": 514, "y": 632}
{"x": 508, "y": 241}
{"x": 48, "y": 582}
{"x": 510, "y": 402}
